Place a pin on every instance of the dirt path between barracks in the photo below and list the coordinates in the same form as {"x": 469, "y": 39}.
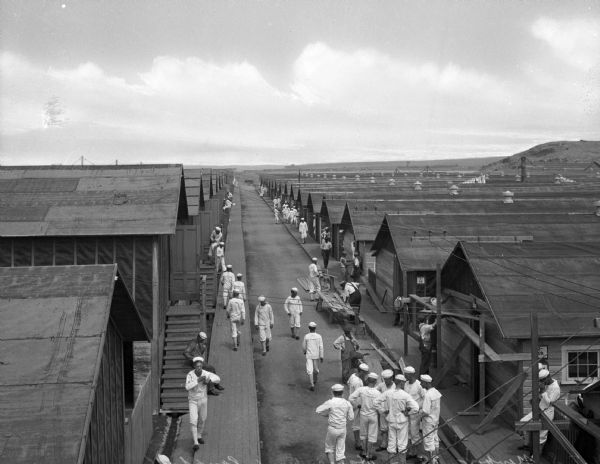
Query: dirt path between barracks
{"x": 291, "y": 432}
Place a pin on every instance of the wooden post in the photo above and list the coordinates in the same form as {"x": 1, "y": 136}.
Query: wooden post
{"x": 405, "y": 313}
{"x": 203, "y": 306}
{"x": 481, "y": 367}
{"x": 156, "y": 314}
{"x": 438, "y": 318}
{"x": 535, "y": 388}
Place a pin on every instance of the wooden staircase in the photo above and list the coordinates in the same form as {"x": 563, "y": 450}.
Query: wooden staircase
{"x": 182, "y": 324}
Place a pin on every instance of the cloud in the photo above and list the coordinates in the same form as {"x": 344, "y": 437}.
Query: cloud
{"x": 367, "y": 81}
{"x": 338, "y": 103}
{"x": 575, "y": 41}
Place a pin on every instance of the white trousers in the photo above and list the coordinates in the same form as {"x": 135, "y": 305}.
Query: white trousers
{"x": 543, "y": 433}
{"x": 235, "y": 328}
{"x": 430, "y": 436}
{"x": 312, "y": 365}
{"x": 397, "y": 437}
{"x": 198, "y": 410}
{"x": 295, "y": 320}
{"x": 335, "y": 442}
{"x": 264, "y": 333}
{"x": 368, "y": 428}
{"x": 414, "y": 424}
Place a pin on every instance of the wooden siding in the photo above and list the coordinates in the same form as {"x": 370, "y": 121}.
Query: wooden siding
{"x": 138, "y": 426}
{"x": 385, "y": 276}
{"x": 132, "y": 254}
{"x": 105, "y": 443}
{"x": 369, "y": 261}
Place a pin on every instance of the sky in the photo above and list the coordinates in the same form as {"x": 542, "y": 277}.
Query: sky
{"x": 247, "y": 82}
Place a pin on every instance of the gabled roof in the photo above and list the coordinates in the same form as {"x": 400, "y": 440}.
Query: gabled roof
{"x": 91, "y": 200}
{"x": 450, "y": 227}
{"x": 52, "y": 336}
{"x": 558, "y": 281}
{"x": 335, "y": 210}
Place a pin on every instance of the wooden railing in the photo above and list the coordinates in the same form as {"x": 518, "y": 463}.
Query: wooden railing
{"x": 138, "y": 425}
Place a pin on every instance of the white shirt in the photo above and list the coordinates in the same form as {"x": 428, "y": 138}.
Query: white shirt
{"x": 338, "y": 410}
{"x": 303, "y": 227}
{"x": 236, "y": 309}
{"x": 354, "y": 383}
{"x": 227, "y": 280}
{"x": 263, "y": 315}
{"x": 313, "y": 345}
{"x": 196, "y": 389}
{"x": 366, "y": 397}
{"x": 416, "y": 391}
{"x": 238, "y": 286}
{"x": 293, "y": 305}
{"x": 313, "y": 270}
{"x": 398, "y": 404}
{"x": 431, "y": 405}
{"x": 551, "y": 395}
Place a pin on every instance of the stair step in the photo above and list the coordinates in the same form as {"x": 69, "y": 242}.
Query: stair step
{"x": 175, "y": 374}
{"x": 182, "y": 337}
{"x": 174, "y": 394}
{"x": 172, "y": 407}
{"x": 173, "y": 384}
{"x": 176, "y": 346}
{"x": 181, "y": 330}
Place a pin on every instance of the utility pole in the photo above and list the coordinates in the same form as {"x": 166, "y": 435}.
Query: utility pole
{"x": 535, "y": 389}
{"x": 523, "y": 168}
{"x": 203, "y": 306}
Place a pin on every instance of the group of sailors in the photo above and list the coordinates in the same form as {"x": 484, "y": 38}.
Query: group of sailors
{"x": 399, "y": 412}
{"x": 284, "y": 213}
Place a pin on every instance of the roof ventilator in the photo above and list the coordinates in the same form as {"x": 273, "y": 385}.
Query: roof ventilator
{"x": 507, "y": 197}
{"x": 597, "y": 205}
{"x": 418, "y": 185}
{"x": 453, "y": 190}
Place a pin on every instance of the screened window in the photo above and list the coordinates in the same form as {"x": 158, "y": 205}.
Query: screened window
{"x": 582, "y": 364}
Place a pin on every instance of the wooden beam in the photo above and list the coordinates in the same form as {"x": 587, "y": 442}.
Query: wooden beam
{"x": 467, "y": 298}
{"x": 579, "y": 420}
{"x": 502, "y": 402}
{"x": 515, "y": 357}
{"x": 531, "y": 426}
{"x": 565, "y": 443}
{"x": 449, "y": 364}
{"x": 469, "y": 332}
{"x": 392, "y": 364}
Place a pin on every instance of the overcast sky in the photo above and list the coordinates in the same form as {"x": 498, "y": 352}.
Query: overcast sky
{"x": 245, "y": 82}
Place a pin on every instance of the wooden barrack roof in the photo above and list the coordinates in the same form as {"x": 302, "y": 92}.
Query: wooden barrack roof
{"x": 91, "y": 200}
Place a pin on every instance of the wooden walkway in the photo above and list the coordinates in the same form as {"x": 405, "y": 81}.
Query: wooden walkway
{"x": 232, "y": 424}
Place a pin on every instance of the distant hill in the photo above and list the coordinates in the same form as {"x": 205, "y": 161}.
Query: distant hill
{"x": 583, "y": 151}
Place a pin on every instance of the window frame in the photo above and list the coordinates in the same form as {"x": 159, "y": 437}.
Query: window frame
{"x": 565, "y": 350}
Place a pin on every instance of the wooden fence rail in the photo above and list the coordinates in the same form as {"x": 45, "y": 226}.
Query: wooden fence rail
{"x": 138, "y": 426}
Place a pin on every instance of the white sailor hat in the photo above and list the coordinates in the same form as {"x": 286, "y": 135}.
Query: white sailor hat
{"x": 261, "y": 298}
{"x": 312, "y": 324}
{"x": 409, "y": 370}
{"x": 202, "y": 335}
{"x": 302, "y": 219}
{"x": 372, "y": 375}
{"x": 400, "y": 377}
{"x": 218, "y": 228}
{"x": 239, "y": 274}
{"x": 221, "y": 243}
{"x": 426, "y": 378}
{"x": 197, "y": 358}
{"x": 363, "y": 367}
{"x": 229, "y": 266}
{"x": 315, "y": 259}
{"x": 337, "y": 387}
{"x": 294, "y": 289}
{"x": 387, "y": 374}
{"x": 543, "y": 374}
